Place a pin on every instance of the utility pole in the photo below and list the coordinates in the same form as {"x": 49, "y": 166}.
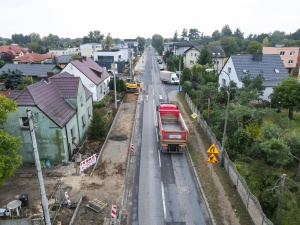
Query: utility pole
{"x": 278, "y": 218}
{"x": 38, "y": 168}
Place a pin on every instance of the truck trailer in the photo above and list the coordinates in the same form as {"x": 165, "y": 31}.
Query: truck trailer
{"x": 168, "y": 77}
{"x": 172, "y": 130}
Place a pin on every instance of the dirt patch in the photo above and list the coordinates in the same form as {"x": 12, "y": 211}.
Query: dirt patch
{"x": 106, "y": 184}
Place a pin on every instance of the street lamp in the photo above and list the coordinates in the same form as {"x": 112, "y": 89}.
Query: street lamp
{"x": 226, "y": 114}
{"x": 180, "y": 69}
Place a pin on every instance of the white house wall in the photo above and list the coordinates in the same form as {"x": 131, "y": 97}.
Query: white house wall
{"x": 86, "y": 81}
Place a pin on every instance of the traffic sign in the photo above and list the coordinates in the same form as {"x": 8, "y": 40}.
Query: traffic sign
{"x": 212, "y": 159}
{"x": 194, "y": 115}
{"x": 213, "y": 149}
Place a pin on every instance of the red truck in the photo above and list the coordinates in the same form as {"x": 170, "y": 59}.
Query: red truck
{"x": 173, "y": 133}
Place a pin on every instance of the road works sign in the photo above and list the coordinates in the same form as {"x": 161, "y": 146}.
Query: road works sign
{"x": 194, "y": 115}
{"x": 212, "y": 159}
{"x": 213, "y": 149}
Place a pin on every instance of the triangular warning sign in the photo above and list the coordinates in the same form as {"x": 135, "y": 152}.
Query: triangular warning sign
{"x": 212, "y": 159}
{"x": 213, "y": 149}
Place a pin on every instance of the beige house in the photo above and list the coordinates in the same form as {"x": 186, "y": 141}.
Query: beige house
{"x": 289, "y": 55}
{"x": 217, "y": 53}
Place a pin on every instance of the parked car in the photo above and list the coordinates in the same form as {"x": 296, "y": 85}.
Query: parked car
{"x": 161, "y": 67}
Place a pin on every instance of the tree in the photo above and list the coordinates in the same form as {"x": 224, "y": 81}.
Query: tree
{"x": 216, "y": 35}
{"x": 142, "y": 42}
{"x": 99, "y": 126}
{"x": 175, "y": 36}
{"x": 287, "y": 93}
{"x": 226, "y": 31}
{"x": 295, "y": 36}
{"x": 108, "y": 42}
{"x": 205, "y": 57}
{"x": 238, "y": 34}
{"x": 184, "y": 34}
{"x": 95, "y": 36}
{"x": 9, "y": 144}
{"x": 253, "y": 47}
{"x": 229, "y": 45}
{"x": 266, "y": 42}
{"x": 157, "y": 43}
{"x": 51, "y": 41}
{"x": 194, "y": 34}
{"x": 12, "y": 78}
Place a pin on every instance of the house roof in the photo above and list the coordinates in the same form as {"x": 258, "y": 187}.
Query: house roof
{"x": 68, "y": 84}
{"x": 184, "y": 44}
{"x": 14, "y": 49}
{"x": 31, "y": 69}
{"x": 91, "y": 70}
{"x": 271, "y": 66}
{"x": 48, "y": 98}
{"x": 33, "y": 57}
{"x": 213, "y": 49}
{"x": 62, "y": 59}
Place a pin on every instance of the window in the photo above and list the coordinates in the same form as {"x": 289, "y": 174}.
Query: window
{"x": 195, "y": 54}
{"x": 24, "y": 123}
{"x": 229, "y": 70}
{"x": 223, "y": 81}
{"x": 292, "y": 53}
{"x": 81, "y": 100}
{"x": 83, "y": 121}
{"x": 73, "y": 132}
{"x": 191, "y": 62}
{"x": 100, "y": 89}
{"x": 89, "y": 111}
{"x": 245, "y": 71}
{"x": 276, "y": 70}
{"x": 291, "y": 61}
{"x": 191, "y": 54}
{"x": 281, "y": 53}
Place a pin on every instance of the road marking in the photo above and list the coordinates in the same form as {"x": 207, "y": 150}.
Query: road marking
{"x": 163, "y": 198}
{"x": 159, "y": 160}
{"x": 154, "y": 114}
{"x": 160, "y": 97}
{"x": 146, "y": 97}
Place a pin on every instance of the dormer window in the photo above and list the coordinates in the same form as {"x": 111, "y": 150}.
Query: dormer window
{"x": 276, "y": 70}
{"x": 229, "y": 70}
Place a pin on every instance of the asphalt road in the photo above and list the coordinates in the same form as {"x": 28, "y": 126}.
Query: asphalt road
{"x": 164, "y": 189}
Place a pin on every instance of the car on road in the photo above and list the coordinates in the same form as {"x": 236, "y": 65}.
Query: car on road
{"x": 161, "y": 67}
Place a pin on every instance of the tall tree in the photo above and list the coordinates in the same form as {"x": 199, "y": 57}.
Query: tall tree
{"x": 287, "y": 93}
{"x": 175, "y": 36}
{"x": 142, "y": 42}
{"x": 12, "y": 78}
{"x": 253, "y": 47}
{"x": 193, "y": 34}
{"x": 157, "y": 42}
{"x": 216, "y": 35}
{"x": 230, "y": 45}
{"x": 226, "y": 31}
{"x": 184, "y": 34}
{"x": 205, "y": 57}
{"x": 238, "y": 34}
{"x": 9, "y": 158}
{"x": 108, "y": 42}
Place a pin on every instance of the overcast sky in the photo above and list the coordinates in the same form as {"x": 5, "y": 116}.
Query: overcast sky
{"x": 131, "y": 18}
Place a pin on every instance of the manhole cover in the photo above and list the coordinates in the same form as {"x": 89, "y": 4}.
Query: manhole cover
{"x": 121, "y": 137}
{"x": 183, "y": 189}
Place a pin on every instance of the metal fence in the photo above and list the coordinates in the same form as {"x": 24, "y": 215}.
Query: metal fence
{"x": 250, "y": 201}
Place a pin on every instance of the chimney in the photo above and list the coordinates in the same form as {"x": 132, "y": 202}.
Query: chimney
{"x": 84, "y": 58}
{"x": 257, "y": 56}
{"x": 50, "y": 74}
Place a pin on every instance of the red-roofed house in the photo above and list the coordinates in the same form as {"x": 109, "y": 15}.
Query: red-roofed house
{"x": 32, "y": 58}
{"x": 62, "y": 109}
{"x": 93, "y": 76}
{"x": 14, "y": 49}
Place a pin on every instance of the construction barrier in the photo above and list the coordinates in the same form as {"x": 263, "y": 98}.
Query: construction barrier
{"x": 68, "y": 198}
{"x": 113, "y": 212}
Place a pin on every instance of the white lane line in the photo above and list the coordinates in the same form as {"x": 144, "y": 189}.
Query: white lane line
{"x": 159, "y": 160}
{"x": 160, "y": 97}
{"x": 146, "y": 97}
{"x": 163, "y": 198}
